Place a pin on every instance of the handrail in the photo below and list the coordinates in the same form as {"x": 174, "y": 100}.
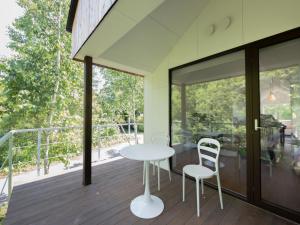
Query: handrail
{"x": 6, "y": 137}
{"x": 62, "y": 128}
{"x": 9, "y": 138}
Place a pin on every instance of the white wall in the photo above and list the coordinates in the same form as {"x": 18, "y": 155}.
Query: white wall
{"x": 251, "y": 20}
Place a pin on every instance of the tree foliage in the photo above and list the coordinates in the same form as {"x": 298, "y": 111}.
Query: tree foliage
{"x": 32, "y": 74}
{"x": 118, "y": 98}
{"x": 41, "y": 86}
{"x": 214, "y": 106}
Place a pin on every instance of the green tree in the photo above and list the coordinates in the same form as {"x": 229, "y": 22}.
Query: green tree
{"x": 119, "y": 97}
{"x": 42, "y": 85}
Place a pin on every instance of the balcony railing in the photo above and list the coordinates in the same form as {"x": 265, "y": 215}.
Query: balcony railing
{"x": 37, "y": 147}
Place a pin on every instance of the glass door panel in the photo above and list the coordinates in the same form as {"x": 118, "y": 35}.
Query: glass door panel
{"x": 208, "y": 100}
{"x": 279, "y": 79}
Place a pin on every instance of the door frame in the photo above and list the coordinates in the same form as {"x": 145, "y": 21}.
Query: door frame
{"x": 252, "y": 111}
{"x": 254, "y": 136}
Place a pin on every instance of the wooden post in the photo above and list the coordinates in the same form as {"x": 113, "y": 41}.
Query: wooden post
{"x": 87, "y": 124}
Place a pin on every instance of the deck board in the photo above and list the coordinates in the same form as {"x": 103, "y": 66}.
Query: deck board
{"x": 62, "y": 200}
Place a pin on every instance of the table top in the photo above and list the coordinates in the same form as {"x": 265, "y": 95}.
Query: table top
{"x": 147, "y": 152}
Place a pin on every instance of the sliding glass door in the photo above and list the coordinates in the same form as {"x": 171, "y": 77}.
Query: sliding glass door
{"x": 208, "y": 100}
{"x": 249, "y": 100}
{"x": 279, "y": 127}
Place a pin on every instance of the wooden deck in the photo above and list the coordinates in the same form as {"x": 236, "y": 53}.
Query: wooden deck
{"x": 62, "y": 200}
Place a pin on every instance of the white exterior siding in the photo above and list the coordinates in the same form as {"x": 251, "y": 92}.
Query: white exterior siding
{"x": 251, "y": 20}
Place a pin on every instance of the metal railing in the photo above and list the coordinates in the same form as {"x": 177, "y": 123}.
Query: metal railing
{"x": 178, "y": 133}
{"x": 35, "y": 147}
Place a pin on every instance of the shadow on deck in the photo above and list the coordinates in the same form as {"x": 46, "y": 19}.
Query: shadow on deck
{"x": 62, "y": 200}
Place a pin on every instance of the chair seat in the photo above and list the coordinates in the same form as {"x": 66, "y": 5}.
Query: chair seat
{"x": 197, "y": 171}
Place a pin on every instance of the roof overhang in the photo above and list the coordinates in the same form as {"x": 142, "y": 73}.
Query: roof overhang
{"x": 71, "y": 15}
{"x": 135, "y": 35}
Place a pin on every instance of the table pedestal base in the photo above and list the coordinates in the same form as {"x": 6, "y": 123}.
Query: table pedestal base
{"x": 145, "y": 207}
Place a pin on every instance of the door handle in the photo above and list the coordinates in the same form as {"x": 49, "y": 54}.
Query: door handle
{"x": 256, "y": 127}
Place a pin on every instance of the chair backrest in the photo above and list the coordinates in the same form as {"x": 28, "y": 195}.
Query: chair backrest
{"x": 209, "y": 149}
{"x": 160, "y": 139}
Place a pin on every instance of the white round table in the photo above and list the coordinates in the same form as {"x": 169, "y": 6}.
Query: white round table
{"x": 147, "y": 206}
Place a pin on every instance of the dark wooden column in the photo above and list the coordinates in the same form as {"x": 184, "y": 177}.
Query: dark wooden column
{"x": 87, "y": 123}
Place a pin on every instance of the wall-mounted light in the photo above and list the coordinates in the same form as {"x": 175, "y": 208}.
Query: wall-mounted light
{"x": 226, "y": 22}
{"x": 211, "y": 29}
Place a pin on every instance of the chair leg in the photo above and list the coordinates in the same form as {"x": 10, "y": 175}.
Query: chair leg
{"x": 220, "y": 191}
{"x": 183, "y": 187}
{"x": 197, "y": 196}
{"x": 144, "y": 171}
{"x": 202, "y": 187}
{"x": 170, "y": 178}
{"x": 158, "y": 175}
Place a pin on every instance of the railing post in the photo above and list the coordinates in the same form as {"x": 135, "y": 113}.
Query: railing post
{"x": 129, "y": 127}
{"x": 68, "y": 152}
{"x": 135, "y": 133}
{"x": 106, "y": 134}
{"x": 38, "y": 162}
{"x": 99, "y": 144}
{"x": 10, "y": 164}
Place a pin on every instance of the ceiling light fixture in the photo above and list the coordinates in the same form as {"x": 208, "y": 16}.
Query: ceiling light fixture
{"x": 271, "y": 96}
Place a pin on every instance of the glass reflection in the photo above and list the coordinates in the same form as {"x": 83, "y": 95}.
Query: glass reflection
{"x": 280, "y": 122}
{"x": 208, "y": 100}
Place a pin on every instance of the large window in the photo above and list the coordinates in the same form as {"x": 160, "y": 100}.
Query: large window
{"x": 279, "y": 81}
{"x": 208, "y": 100}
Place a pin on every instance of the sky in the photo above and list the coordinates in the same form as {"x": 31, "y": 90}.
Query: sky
{"x": 9, "y": 11}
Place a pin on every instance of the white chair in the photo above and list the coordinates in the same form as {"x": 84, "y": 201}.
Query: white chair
{"x": 161, "y": 140}
{"x": 199, "y": 172}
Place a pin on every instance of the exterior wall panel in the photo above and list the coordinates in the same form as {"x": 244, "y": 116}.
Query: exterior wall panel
{"x": 251, "y": 20}
{"x": 88, "y": 15}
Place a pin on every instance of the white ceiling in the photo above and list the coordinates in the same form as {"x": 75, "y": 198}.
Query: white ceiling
{"x": 144, "y": 47}
{"x": 226, "y": 66}
{"x": 146, "y": 40}
{"x": 282, "y": 56}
